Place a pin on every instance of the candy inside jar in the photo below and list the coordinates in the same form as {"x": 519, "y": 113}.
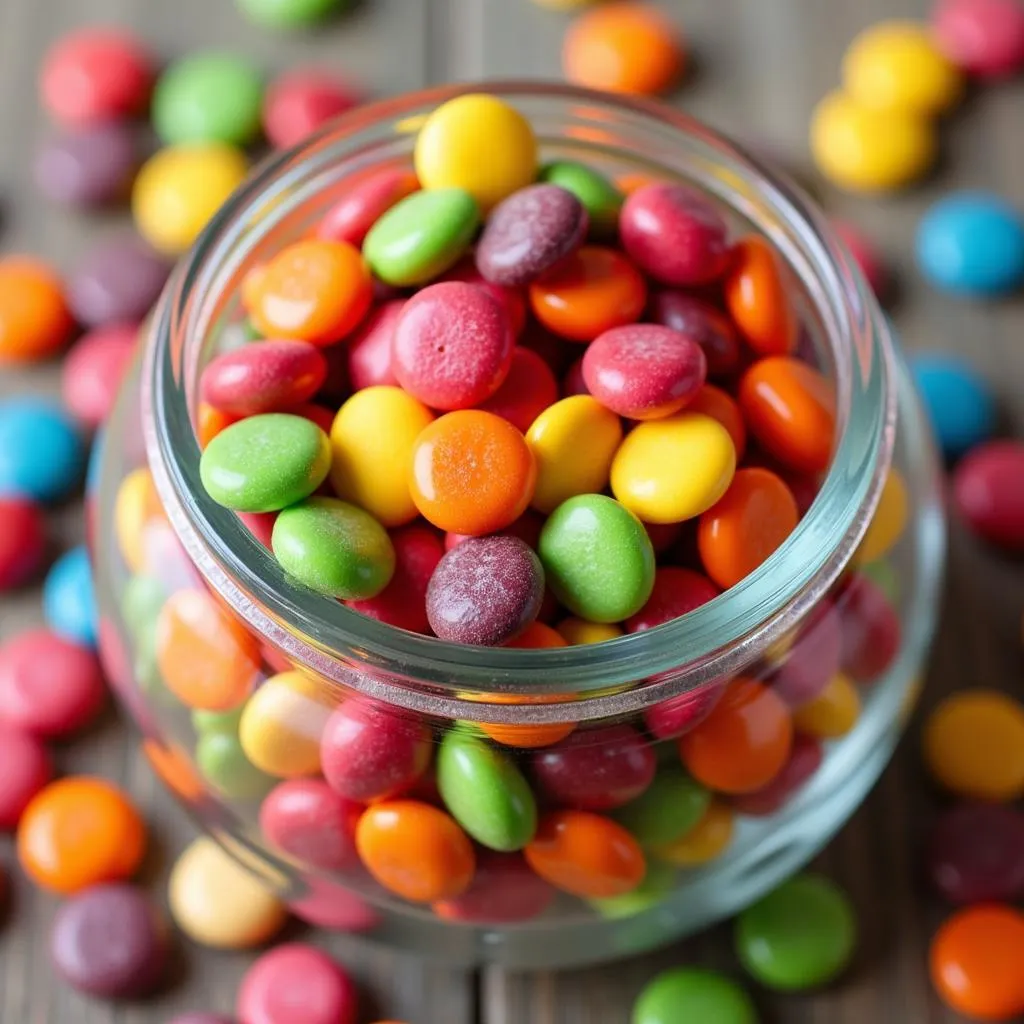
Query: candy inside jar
{"x": 536, "y": 563}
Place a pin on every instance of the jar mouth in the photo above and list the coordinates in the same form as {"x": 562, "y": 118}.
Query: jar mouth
{"x": 712, "y": 642}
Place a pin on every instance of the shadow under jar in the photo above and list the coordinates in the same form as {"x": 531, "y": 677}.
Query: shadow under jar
{"x": 637, "y": 749}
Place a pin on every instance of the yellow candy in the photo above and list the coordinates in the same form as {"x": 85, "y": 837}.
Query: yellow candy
{"x": 180, "y": 188}
{"x": 478, "y": 143}
{"x": 371, "y": 447}
{"x": 889, "y": 523}
{"x": 135, "y": 504}
{"x": 281, "y": 725}
{"x": 573, "y": 444}
{"x": 217, "y": 902}
{"x": 866, "y": 150}
{"x": 579, "y": 631}
{"x": 708, "y": 839}
{"x": 833, "y": 713}
{"x": 895, "y": 66}
{"x": 674, "y": 468}
{"x": 974, "y": 745}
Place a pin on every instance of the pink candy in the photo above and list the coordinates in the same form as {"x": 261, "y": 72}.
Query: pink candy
{"x": 988, "y": 490}
{"x": 363, "y": 204}
{"x": 504, "y": 890}
{"x": 985, "y": 37}
{"x": 369, "y": 347}
{"x": 22, "y": 541}
{"x": 298, "y": 103}
{"x": 25, "y": 768}
{"x": 306, "y": 818}
{"x": 93, "y": 370}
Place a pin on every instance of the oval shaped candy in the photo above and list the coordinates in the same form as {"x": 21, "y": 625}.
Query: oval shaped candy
{"x": 263, "y": 376}
{"x": 988, "y": 489}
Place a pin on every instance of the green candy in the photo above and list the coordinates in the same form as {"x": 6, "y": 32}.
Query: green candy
{"x": 224, "y": 765}
{"x": 289, "y": 13}
{"x": 422, "y": 236}
{"x": 598, "y": 558}
{"x": 798, "y": 937}
{"x": 334, "y": 548}
{"x": 141, "y": 602}
{"x": 601, "y": 199}
{"x": 485, "y": 792}
{"x": 208, "y": 97}
{"x": 689, "y": 995}
{"x": 265, "y": 463}
{"x": 651, "y": 892}
{"x": 217, "y": 721}
{"x": 671, "y": 806}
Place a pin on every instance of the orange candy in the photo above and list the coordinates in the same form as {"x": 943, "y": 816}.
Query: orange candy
{"x": 745, "y": 741}
{"x": 754, "y": 516}
{"x": 720, "y": 405}
{"x": 174, "y": 768}
{"x": 977, "y": 962}
{"x": 629, "y": 182}
{"x": 210, "y": 422}
{"x": 538, "y": 635}
{"x": 77, "y": 832}
{"x": 207, "y": 659}
{"x": 314, "y": 290}
{"x": 624, "y": 47}
{"x": 472, "y": 473}
{"x": 790, "y": 408}
{"x": 34, "y": 318}
{"x": 415, "y": 850}
{"x": 757, "y": 298}
{"x": 586, "y": 855}
{"x": 588, "y": 293}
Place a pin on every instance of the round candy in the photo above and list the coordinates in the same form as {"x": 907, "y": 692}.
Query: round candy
{"x": 670, "y": 807}
{"x": 369, "y": 347}
{"x": 77, "y": 832}
{"x": 984, "y": 37}
{"x": 415, "y": 851}
{"x": 863, "y": 149}
{"x": 758, "y": 299}
{"x": 671, "y": 718}
{"x": 472, "y": 473}
{"x": 798, "y": 937}
{"x": 22, "y": 541}
{"x": 805, "y": 759}
{"x": 118, "y": 280}
{"x": 630, "y": 48}
{"x": 702, "y": 323}
{"x": 976, "y": 854}
{"x": 296, "y": 984}
{"x": 92, "y": 373}
{"x": 959, "y": 402}
{"x": 674, "y": 234}
{"x": 972, "y": 243}
{"x": 369, "y": 752}
{"x": 96, "y": 75}
{"x": 478, "y": 143}
{"x": 988, "y": 489}
{"x": 657, "y": 886}
{"x": 645, "y": 473}
{"x": 217, "y": 902}
{"x": 180, "y": 188}
{"x": 598, "y": 558}
{"x": 452, "y": 345}
{"x": 708, "y": 839}
{"x": 504, "y": 891}
{"x": 592, "y": 290}
{"x": 676, "y": 592}
{"x": 110, "y": 941}
{"x": 265, "y": 463}
{"x": 299, "y": 102}
{"x": 871, "y": 631}
{"x": 25, "y": 767}
{"x": 721, "y": 406}
{"x": 223, "y": 764}
{"x": 365, "y": 202}
{"x": 974, "y": 745}
{"x": 810, "y": 656}
{"x": 895, "y": 65}
{"x": 88, "y": 167}
{"x": 310, "y": 821}
{"x": 34, "y": 318}
{"x": 527, "y": 391}
{"x": 600, "y": 198}
{"x": 832, "y": 713}
{"x": 975, "y": 962}
{"x": 688, "y": 993}
{"x": 69, "y": 602}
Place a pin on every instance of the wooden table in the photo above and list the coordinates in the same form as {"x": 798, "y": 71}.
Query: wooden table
{"x": 761, "y": 64}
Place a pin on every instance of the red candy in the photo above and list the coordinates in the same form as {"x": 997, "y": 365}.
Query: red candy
{"x": 805, "y": 759}
{"x": 264, "y": 376}
{"x": 870, "y": 628}
{"x": 452, "y": 346}
{"x": 511, "y": 298}
{"x": 298, "y": 103}
{"x": 307, "y": 819}
{"x": 701, "y": 322}
{"x": 988, "y": 489}
{"x": 676, "y": 592}
{"x": 984, "y": 37}
{"x": 355, "y": 213}
{"x": 25, "y": 767}
{"x": 504, "y": 890}
{"x": 814, "y": 658}
{"x": 261, "y": 526}
{"x": 573, "y": 382}
{"x": 671, "y": 718}
{"x": 369, "y": 347}
{"x": 526, "y": 392}
{"x": 92, "y": 373}
{"x": 22, "y": 541}
{"x": 49, "y": 686}
{"x": 674, "y": 234}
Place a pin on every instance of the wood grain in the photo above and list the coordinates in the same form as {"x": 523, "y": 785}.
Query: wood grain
{"x": 759, "y": 67}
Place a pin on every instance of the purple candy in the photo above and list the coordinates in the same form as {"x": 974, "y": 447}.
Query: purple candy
{"x": 88, "y": 167}
{"x": 701, "y": 322}
{"x": 529, "y": 233}
{"x": 119, "y": 280}
{"x": 485, "y": 591}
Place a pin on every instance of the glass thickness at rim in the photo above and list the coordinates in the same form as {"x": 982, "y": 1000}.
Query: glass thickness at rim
{"x": 716, "y": 640}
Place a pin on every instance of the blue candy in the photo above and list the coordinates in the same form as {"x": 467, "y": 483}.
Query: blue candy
{"x": 959, "y": 403}
{"x": 972, "y": 243}
{"x": 41, "y": 452}
{"x": 69, "y": 602}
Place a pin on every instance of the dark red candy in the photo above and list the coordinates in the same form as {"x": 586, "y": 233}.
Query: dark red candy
{"x": 299, "y": 102}
{"x": 644, "y": 371}
{"x": 264, "y": 376}
{"x": 370, "y": 752}
{"x": 677, "y": 715}
{"x": 88, "y": 167}
{"x": 511, "y": 298}
{"x": 485, "y": 591}
{"x": 369, "y": 347}
{"x": 812, "y": 660}
{"x": 676, "y": 592}
{"x": 976, "y": 854}
{"x": 674, "y": 234}
{"x": 663, "y": 536}
{"x": 93, "y": 370}
{"x": 555, "y": 351}
{"x": 403, "y": 602}
{"x": 573, "y": 382}
{"x": 870, "y": 629}
{"x": 310, "y": 821}
{"x": 261, "y": 526}
{"x": 805, "y": 758}
{"x": 22, "y": 540}
{"x": 360, "y": 207}
{"x": 529, "y": 232}
{"x": 596, "y": 769}
{"x": 504, "y": 890}
{"x": 988, "y": 489}
{"x": 526, "y": 392}
{"x": 701, "y": 322}
{"x": 318, "y": 414}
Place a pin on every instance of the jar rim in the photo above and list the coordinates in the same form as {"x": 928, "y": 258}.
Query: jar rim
{"x": 619, "y": 675}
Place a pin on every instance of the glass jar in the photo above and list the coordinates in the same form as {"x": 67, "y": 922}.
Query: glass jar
{"x": 196, "y": 612}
